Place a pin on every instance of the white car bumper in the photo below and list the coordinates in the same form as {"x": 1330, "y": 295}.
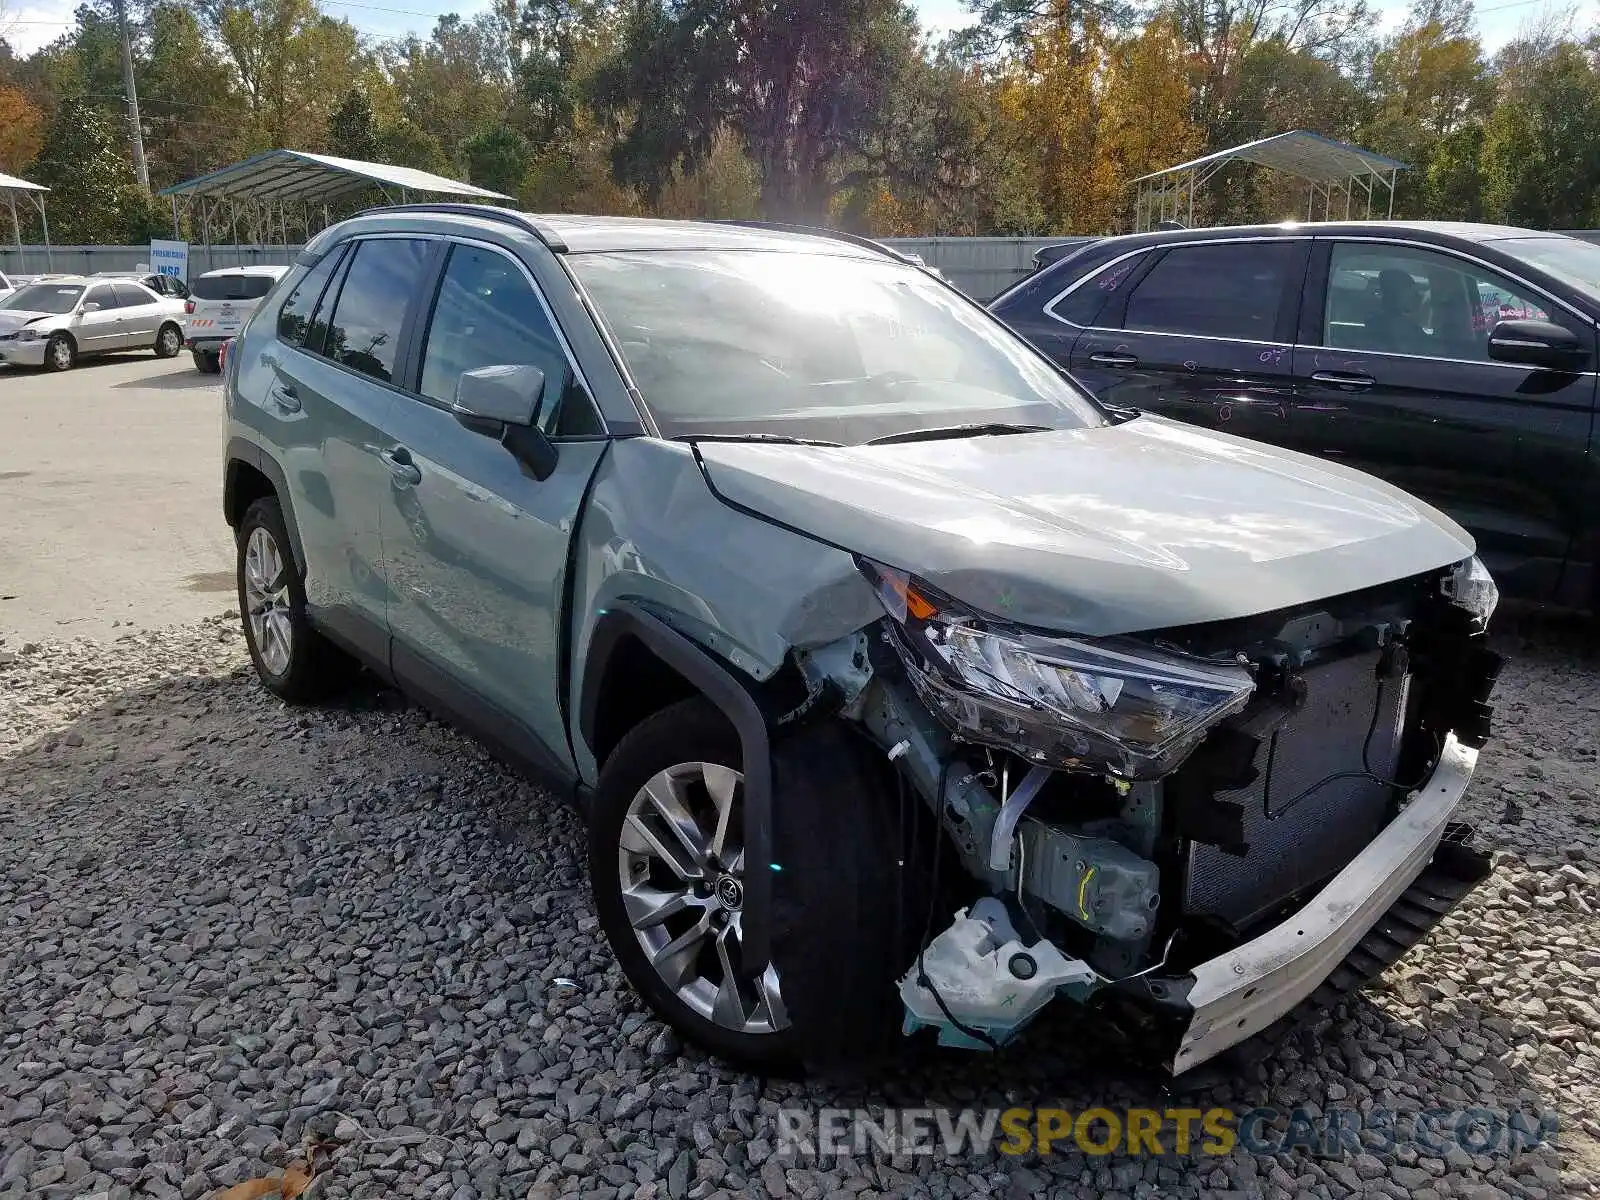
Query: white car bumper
{"x": 1243, "y": 992}
{"x": 23, "y": 354}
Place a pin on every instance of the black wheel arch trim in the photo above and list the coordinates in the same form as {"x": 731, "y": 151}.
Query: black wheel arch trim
{"x": 723, "y": 688}
{"x": 243, "y": 451}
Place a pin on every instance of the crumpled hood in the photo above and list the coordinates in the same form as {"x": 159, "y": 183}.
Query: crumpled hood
{"x": 12, "y": 319}
{"x": 1140, "y": 526}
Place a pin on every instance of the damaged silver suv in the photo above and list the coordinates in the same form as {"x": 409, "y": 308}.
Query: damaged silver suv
{"x": 904, "y": 685}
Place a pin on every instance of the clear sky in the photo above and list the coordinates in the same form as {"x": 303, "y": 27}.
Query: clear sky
{"x": 29, "y": 24}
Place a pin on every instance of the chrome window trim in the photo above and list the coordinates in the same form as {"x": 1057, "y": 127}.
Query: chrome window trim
{"x": 544, "y": 306}
{"x": 1222, "y": 241}
{"x": 1434, "y": 358}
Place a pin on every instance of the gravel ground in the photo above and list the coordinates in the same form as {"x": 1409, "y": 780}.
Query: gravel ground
{"x": 226, "y": 925}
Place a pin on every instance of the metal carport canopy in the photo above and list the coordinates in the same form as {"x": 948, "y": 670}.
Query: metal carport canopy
{"x": 1323, "y": 163}
{"x": 298, "y": 175}
{"x": 1298, "y": 152}
{"x": 34, "y": 192}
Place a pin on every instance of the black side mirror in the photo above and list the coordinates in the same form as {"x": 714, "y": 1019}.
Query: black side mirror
{"x": 1538, "y": 344}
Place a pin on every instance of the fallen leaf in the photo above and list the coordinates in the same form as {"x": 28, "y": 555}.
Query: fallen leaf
{"x": 250, "y": 1189}
{"x": 297, "y": 1178}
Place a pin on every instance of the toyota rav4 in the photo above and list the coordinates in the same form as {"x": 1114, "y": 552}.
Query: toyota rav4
{"x": 903, "y": 684}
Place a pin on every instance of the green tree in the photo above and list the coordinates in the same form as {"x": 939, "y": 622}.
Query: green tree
{"x": 351, "y": 133}
{"x": 1541, "y": 147}
{"x": 458, "y": 81}
{"x": 195, "y": 119}
{"x": 497, "y": 158}
{"x": 93, "y": 194}
{"x": 800, "y": 83}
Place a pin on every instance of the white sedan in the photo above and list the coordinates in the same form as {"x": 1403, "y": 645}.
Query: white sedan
{"x": 54, "y": 322}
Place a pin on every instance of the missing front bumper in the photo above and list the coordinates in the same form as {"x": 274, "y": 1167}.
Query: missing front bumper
{"x": 1241, "y": 993}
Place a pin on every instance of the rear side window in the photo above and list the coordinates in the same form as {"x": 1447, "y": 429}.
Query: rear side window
{"x": 364, "y": 333}
{"x": 1226, "y": 291}
{"x": 1085, "y": 302}
{"x": 488, "y": 314}
{"x": 295, "y": 315}
{"x": 232, "y": 287}
{"x": 129, "y": 296}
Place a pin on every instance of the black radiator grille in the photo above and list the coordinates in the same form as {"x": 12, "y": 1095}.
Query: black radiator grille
{"x": 1294, "y": 843}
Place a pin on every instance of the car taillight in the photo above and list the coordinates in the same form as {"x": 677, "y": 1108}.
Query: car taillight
{"x": 222, "y": 355}
{"x": 188, "y": 307}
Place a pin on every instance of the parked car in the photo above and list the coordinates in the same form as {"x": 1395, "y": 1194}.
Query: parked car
{"x": 1455, "y": 361}
{"x": 55, "y": 322}
{"x": 159, "y": 283}
{"x": 756, "y": 543}
{"x": 220, "y": 303}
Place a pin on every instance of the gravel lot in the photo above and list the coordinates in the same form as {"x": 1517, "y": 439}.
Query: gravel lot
{"x": 225, "y": 924}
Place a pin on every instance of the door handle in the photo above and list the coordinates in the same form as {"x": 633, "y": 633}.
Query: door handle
{"x": 286, "y": 397}
{"x": 1113, "y": 360}
{"x": 400, "y": 465}
{"x": 1344, "y": 380}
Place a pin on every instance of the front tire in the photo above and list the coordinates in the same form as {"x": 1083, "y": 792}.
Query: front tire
{"x": 668, "y": 871}
{"x": 60, "y": 353}
{"x": 291, "y": 659}
{"x": 169, "y": 340}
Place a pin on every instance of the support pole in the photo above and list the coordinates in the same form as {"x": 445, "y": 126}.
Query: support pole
{"x": 16, "y": 227}
{"x": 44, "y": 223}
{"x": 131, "y": 96}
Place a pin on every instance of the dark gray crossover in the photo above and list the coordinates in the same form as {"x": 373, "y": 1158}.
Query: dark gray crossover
{"x": 1458, "y": 362}
{"x": 903, "y": 684}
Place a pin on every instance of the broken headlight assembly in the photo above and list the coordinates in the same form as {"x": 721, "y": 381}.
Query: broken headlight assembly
{"x": 1102, "y": 704}
{"x": 1470, "y": 586}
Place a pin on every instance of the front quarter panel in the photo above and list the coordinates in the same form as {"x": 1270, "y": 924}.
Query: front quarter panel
{"x": 744, "y": 589}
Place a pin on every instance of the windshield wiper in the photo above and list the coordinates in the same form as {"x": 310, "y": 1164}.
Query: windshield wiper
{"x": 781, "y": 439}
{"x": 941, "y": 432}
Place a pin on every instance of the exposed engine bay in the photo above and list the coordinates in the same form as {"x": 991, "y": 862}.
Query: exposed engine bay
{"x": 1128, "y": 810}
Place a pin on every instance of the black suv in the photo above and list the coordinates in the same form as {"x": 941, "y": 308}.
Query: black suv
{"x": 1456, "y": 361}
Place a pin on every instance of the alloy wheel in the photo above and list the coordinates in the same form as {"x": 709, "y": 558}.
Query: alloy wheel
{"x": 681, "y": 865}
{"x": 60, "y": 354}
{"x": 171, "y": 343}
{"x": 266, "y": 591}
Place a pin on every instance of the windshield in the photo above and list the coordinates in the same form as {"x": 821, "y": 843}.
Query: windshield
{"x": 819, "y": 346}
{"x": 1577, "y": 262}
{"x": 232, "y": 287}
{"x": 44, "y": 298}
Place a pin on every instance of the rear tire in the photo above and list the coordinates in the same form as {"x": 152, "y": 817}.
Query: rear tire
{"x": 839, "y": 928}
{"x": 169, "y": 340}
{"x": 60, "y": 353}
{"x": 292, "y": 660}
{"x": 206, "y": 364}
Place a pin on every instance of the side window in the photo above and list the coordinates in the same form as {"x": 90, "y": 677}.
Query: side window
{"x": 364, "y": 332}
{"x": 1083, "y": 304}
{"x": 488, "y": 314}
{"x": 294, "y": 318}
{"x": 102, "y": 295}
{"x": 1228, "y": 291}
{"x": 1405, "y": 300}
{"x": 129, "y": 296}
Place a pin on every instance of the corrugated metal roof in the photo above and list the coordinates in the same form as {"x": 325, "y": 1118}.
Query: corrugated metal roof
{"x": 10, "y": 183}
{"x": 301, "y": 175}
{"x": 1298, "y": 152}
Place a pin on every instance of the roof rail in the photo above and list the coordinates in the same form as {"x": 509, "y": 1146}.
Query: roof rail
{"x": 488, "y": 212}
{"x": 838, "y": 235}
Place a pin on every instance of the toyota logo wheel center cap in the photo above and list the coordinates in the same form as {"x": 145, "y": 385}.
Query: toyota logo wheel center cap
{"x": 729, "y": 892}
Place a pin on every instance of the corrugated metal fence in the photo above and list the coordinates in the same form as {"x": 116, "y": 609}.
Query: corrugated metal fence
{"x": 981, "y": 266}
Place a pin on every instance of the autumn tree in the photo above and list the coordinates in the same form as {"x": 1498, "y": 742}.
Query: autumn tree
{"x": 21, "y": 130}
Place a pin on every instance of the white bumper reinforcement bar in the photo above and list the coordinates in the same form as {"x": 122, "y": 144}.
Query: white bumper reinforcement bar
{"x": 1243, "y": 992}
